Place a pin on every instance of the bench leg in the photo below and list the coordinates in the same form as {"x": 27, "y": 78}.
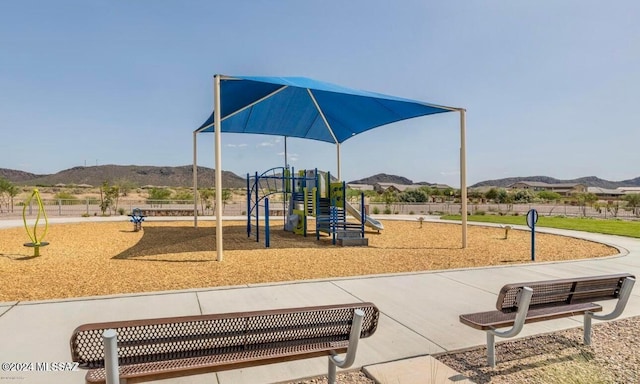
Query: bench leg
{"x": 623, "y": 298}
{"x": 110, "y": 339}
{"x": 523, "y": 299}
{"x": 587, "y": 328}
{"x": 354, "y": 337}
{"x": 331, "y": 376}
{"x": 491, "y": 350}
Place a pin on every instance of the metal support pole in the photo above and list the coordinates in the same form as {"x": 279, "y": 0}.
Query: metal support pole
{"x": 266, "y": 222}
{"x": 354, "y": 337}
{"x": 491, "y": 349}
{"x": 195, "y": 180}
{"x": 257, "y": 185}
{"x": 110, "y": 339}
{"x": 339, "y": 165}
{"x": 463, "y": 174}
{"x": 218, "y": 144}
{"x": 248, "y": 206}
{"x": 587, "y": 328}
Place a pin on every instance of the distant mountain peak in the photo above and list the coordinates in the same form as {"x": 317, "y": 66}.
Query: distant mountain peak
{"x": 589, "y": 181}
{"x": 383, "y": 178}
{"x": 180, "y": 176}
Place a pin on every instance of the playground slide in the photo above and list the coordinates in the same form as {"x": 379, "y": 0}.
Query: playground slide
{"x": 368, "y": 220}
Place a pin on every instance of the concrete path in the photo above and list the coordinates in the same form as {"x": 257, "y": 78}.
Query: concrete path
{"x": 419, "y": 315}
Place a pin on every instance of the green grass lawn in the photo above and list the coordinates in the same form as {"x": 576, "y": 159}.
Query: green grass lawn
{"x": 609, "y": 227}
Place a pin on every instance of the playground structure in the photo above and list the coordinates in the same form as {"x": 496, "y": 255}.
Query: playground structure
{"x": 309, "y": 194}
{"x": 36, "y": 240}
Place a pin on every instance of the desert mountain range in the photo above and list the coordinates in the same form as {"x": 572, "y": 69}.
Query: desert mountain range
{"x": 182, "y": 176}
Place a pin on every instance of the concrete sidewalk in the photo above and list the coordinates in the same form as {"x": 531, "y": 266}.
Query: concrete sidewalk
{"x": 419, "y": 315}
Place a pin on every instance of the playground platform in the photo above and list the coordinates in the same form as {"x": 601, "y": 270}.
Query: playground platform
{"x": 412, "y": 326}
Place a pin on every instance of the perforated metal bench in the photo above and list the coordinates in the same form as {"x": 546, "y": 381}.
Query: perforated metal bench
{"x": 154, "y": 349}
{"x": 531, "y": 302}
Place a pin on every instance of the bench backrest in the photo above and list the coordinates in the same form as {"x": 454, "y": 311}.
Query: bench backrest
{"x": 563, "y": 291}
{"x": 142, "y": 341}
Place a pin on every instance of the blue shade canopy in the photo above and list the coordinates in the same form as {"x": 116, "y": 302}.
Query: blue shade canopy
{"x": 308, "y": 109}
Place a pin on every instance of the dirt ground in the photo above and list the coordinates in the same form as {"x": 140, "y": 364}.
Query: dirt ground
{"x": 90, "y": 259}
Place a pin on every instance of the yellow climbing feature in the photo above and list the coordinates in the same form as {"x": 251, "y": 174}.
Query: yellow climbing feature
{"x": 36, "y": 239}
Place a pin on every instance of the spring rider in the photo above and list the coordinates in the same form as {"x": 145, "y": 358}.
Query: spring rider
{"x": 36, "y": 239}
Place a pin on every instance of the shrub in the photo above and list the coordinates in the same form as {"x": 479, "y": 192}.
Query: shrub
{"x": 375, "y": 210}
{"x": 387, "y": 211}
{"x": 121, "y": 211}
{"x": 480, "y": 213}
{"x": 64, "y": 196}
{"x": 411, "y": 212}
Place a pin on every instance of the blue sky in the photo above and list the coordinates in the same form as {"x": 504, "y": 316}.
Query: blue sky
{"x": 551, "y": 87}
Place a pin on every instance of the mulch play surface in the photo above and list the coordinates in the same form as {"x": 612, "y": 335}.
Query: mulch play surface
{"x": 91, "y": 259}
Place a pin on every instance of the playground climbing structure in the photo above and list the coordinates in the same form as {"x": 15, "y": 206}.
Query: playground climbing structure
{"x": 308, "y": 196}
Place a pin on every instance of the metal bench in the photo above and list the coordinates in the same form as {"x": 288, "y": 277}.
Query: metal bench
{"x": 169, "y": 347}
{"x": 531, "y": 302}
{"x": 167, "y": 211}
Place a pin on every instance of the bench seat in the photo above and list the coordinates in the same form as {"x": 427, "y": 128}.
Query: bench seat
{"x": 499, "y": 319}
{"x": 219, "y": 362}
{"x": 153, "y": 349}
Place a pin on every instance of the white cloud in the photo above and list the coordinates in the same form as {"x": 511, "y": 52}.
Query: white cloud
{"x": 449, "y": 173}
{"x": 236, "y": 145}
{"x": 265, "y": 144}
{"x": 289, "y": 155}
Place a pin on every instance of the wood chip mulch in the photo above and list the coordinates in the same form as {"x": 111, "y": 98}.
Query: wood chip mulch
{"x": 90, "y": 259}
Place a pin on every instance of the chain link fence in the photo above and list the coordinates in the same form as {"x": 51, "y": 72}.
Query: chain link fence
{"x": 91, "y": 207}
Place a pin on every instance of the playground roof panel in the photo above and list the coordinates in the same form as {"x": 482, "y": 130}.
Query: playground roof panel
{"x": 307, "y": 108}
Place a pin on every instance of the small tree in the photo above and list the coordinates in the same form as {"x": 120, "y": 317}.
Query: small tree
{"x": 125, "y": 186}
{"x": 389, "y": 197}
{"x": 353, "y": 194}
{"x": 523, "y": 196}
{"x": 8, "y": 191}
{"x": 633, "y": 203}
{"x": 109, "y": 197}
{"x": 550, "y": 196}
{"x": 413, "y": 196}
{"x": 226, "y": 197}
{"x": 613, "y": 207}
{"x": 585, "y": 199}
{"x": 157, "y": 195}
{"x": 475, "y": 195}
{"x": 491, "y": 194}
{"x": 183, "y": 195}
{"x": 206, "y": 198}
